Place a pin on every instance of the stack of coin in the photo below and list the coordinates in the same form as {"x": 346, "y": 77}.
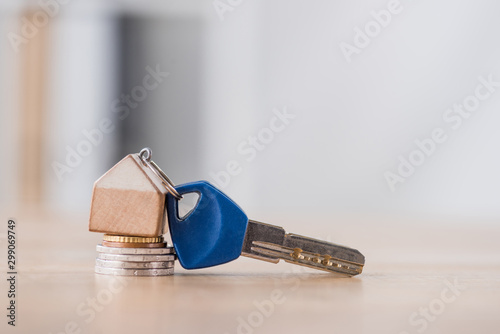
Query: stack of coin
{"x": 134, "y": 256}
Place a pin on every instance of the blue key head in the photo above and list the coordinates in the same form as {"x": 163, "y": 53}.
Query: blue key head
{"x": 212, "y": 233}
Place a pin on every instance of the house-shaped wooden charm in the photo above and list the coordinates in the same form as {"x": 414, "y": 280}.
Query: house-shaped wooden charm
{"x": 128, "y": 200}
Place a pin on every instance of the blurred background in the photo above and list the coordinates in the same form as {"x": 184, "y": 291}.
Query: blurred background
{"x": 291, "y": 107}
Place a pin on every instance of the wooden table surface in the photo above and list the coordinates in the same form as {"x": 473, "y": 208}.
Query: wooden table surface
{"x": 420, "y": 277}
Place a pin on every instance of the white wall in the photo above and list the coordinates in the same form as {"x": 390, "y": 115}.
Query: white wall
{"x": 9, "y": 97}
{"x": 355, "y": 118}
{"x": 83, "y": 74}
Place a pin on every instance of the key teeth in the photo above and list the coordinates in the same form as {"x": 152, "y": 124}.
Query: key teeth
{"x": 271, "y": 243}
{"x": 313, "y": 260}
{"x": 325, "y": 261}
{"x": 341, "y": 252}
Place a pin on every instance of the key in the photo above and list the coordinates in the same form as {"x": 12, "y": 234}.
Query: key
{"x": 271, "y": 243}
{"x": 217, "y": 231}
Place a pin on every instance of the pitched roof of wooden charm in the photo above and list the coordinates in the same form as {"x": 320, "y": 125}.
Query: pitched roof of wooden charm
{"x": 128, "y": 200}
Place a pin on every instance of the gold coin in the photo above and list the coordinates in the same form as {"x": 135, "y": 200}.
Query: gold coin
{"x": 124, "y": 238}
{"x": 134, "y": 244}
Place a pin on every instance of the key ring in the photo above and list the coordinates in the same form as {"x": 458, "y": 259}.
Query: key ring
{"x": 145, "y": 156}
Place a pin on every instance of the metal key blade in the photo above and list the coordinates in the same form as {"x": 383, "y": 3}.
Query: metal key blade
{"x": 271, "y": 243}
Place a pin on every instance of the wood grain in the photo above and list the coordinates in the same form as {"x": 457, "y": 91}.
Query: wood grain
{"x": 407, "y": 268}
{"x": 128, "y": 200}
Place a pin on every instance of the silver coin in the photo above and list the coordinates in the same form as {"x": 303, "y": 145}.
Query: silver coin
{"x": 134, "y": 272}
{"x": 135, "y": 251}
{"x": 134, "y": 265}
{"x": 136, "y": 258}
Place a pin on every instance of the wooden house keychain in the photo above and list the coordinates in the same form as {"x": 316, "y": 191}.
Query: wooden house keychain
{"x": 135, "y": 200}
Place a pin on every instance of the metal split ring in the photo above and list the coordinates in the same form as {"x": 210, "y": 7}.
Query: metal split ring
{"x": 145, "y": 156}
